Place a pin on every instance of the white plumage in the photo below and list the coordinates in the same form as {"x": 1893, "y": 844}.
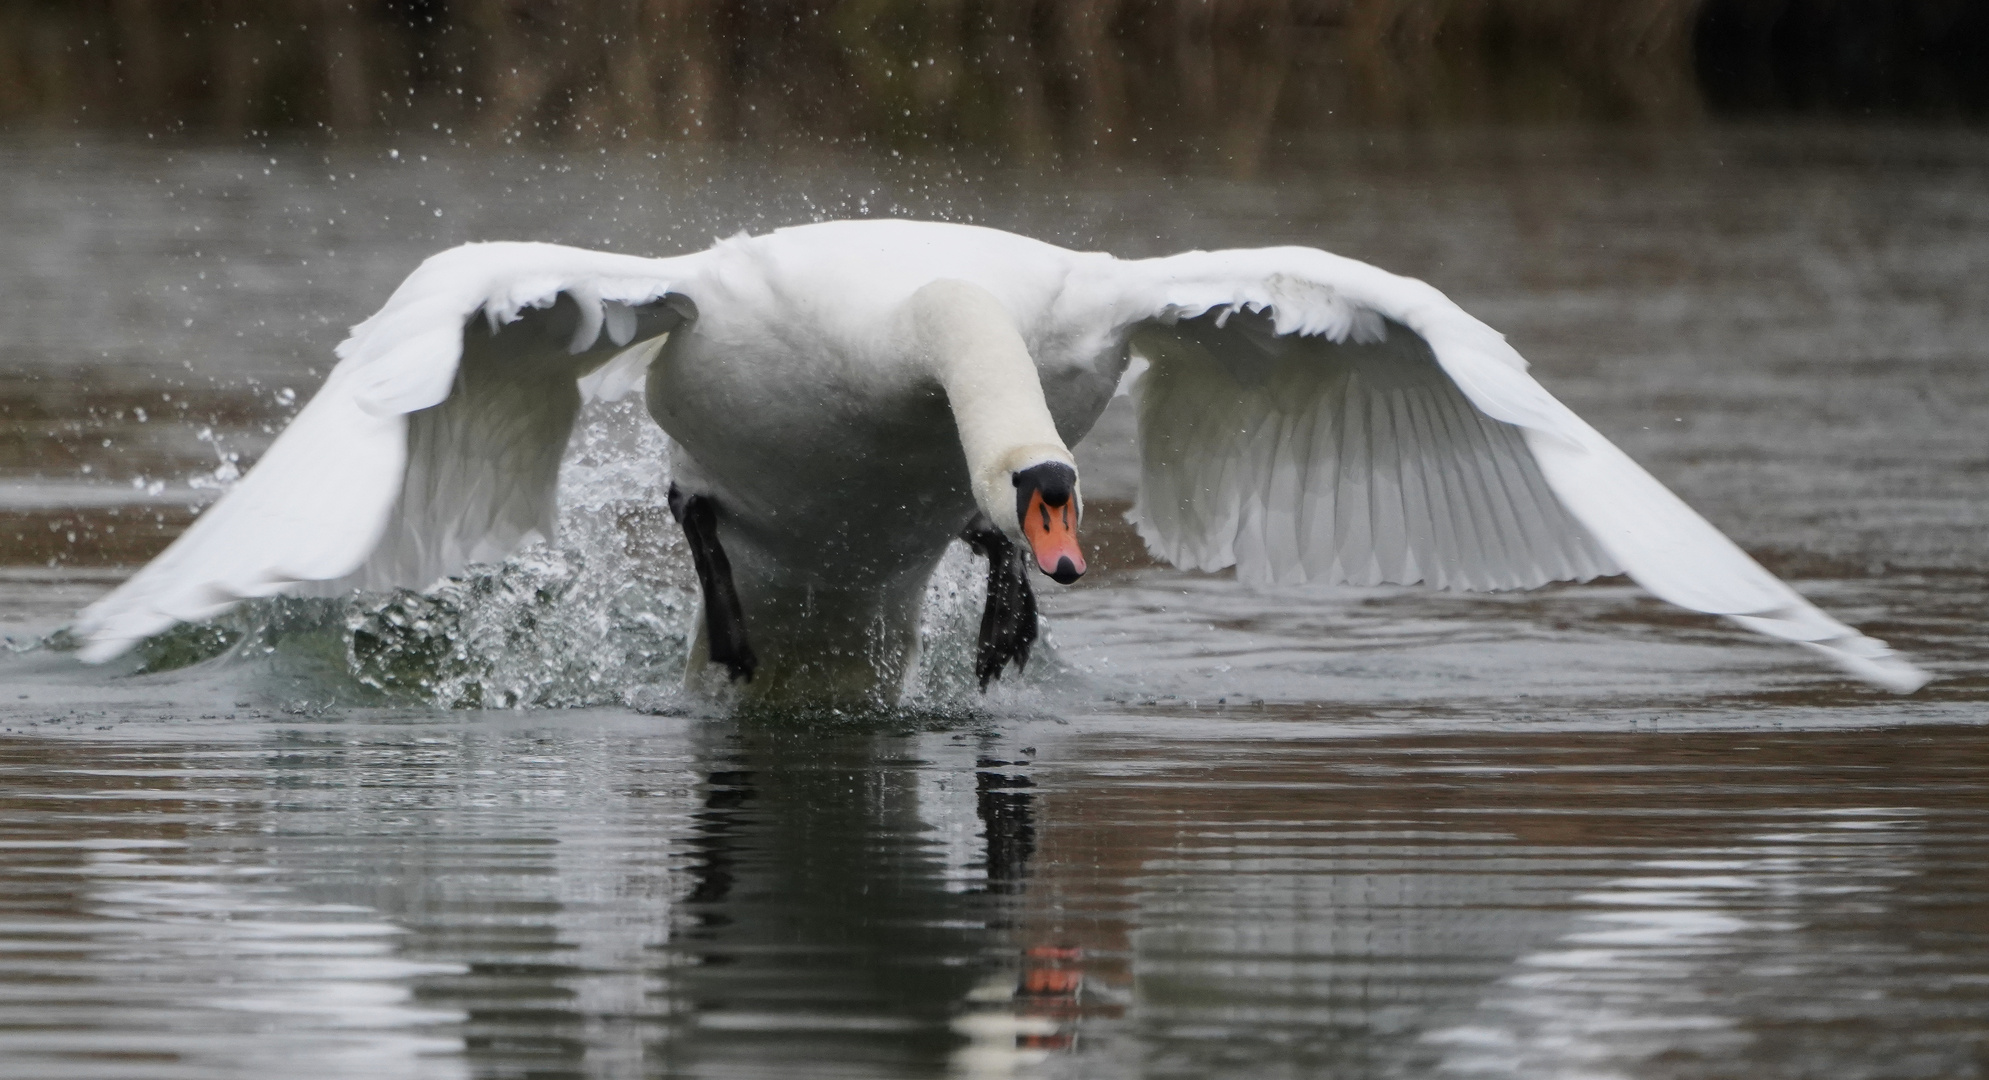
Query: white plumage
{"x": 1302, "y": 417}
{"x": 1297, "y": 459}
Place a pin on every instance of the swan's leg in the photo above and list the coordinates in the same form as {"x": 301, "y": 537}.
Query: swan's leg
{"x": 1008, "y": 624}
{"x": 724, "y": 621}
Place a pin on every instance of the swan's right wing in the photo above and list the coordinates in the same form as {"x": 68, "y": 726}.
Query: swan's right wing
{"x": 434, "y": 443}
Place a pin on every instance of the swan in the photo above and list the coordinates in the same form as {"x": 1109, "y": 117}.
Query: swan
{"x": 845, "y": 399}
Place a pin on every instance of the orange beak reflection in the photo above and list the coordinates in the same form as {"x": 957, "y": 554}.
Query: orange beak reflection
{"x": 1052, "y": 535}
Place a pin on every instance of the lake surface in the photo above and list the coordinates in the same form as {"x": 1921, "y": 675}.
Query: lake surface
{"x": 1212, "y": 831}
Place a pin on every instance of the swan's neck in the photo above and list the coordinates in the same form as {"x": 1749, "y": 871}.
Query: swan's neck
{"x": 979, "y": 356}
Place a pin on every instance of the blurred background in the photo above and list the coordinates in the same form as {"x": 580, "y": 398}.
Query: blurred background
{"x": 1076, "y": 78}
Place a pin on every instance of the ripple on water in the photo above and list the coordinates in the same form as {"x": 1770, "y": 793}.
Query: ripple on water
{"x": 591, "y": 893}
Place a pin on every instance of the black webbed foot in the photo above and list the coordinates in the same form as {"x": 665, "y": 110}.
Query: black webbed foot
{"x": 1008, "y": 623}
{"x": 724, "y": 620}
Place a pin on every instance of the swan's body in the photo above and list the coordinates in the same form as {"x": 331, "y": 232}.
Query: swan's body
{"x": 849, "y": 395}
{"x": 831, "y": 446}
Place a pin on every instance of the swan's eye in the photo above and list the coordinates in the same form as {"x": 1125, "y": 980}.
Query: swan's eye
{"x": 1046, "y": 506}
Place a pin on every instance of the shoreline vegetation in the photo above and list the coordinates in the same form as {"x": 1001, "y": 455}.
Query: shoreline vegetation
{"x": 1027, "y": 78}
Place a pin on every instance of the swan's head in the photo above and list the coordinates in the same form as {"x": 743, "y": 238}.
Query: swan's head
{"x": 1047, "y": 510}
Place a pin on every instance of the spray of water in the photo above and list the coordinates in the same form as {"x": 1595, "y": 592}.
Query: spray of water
{"x": 604, "y": 615}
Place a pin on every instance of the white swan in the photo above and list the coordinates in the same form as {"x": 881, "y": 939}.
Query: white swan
{"x": 846, "y": 397}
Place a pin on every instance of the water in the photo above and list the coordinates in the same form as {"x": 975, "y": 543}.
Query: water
{"x": 1214, "y": 831}
{"x": 1235, "y": 893}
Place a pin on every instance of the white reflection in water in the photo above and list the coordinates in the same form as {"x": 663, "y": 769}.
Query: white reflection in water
{"x": 1654, "y": 972}
{"x": 176, "y": 938}
{"x": 554, "y": 860}
{"x": 949, "y": 806}
{"x": 996, "y": 1037}
{"x": 615, "y": 886}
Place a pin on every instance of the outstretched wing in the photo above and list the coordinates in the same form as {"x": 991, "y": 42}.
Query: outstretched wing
{"x": 1306, "y": 417}
{"x": 435, "y": 441}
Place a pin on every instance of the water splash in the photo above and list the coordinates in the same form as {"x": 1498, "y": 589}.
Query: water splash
{"x": 548, "y": 628}
{"x": 949, "y": 627}
{"x": 604, "y": 616}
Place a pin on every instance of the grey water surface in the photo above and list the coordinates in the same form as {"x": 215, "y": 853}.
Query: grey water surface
{"x": 1212, "y": 831}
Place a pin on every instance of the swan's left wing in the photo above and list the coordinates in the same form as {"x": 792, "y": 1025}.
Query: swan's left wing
{"x": 1306, "y": 417}
{"x": 434, "y": 443}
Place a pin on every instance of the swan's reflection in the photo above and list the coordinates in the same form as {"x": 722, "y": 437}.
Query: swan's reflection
{"x": 641, "y": 897}
{"x": 687, "y": 899}
{"x": 629, "y": 898}
{"x": 846, "y": 896}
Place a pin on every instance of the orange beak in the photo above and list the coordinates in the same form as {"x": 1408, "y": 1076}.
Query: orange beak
{"x": 1052, "y": 535}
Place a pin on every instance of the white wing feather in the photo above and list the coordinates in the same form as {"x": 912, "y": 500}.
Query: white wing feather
{"x": 385, "y": 478}
{"x": 1312, "y": 418}
{"x": 1296, "y": 459}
